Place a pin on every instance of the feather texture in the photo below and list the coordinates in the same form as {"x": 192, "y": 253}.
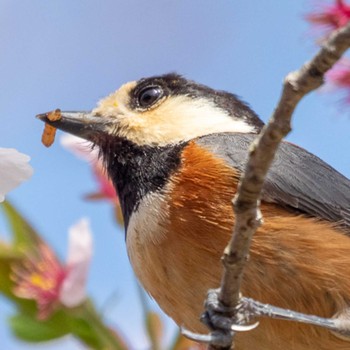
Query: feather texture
{"x": 296, "y": 180}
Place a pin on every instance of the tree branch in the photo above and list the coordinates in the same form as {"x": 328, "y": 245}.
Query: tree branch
{"x": 246, "y": 203}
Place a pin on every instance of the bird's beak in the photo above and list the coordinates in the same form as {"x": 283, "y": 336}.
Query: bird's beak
{"x": 82, "y": 124}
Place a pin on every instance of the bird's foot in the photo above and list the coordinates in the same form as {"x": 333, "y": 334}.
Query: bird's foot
{"x": 339, "y": 324}
{"x": 218, "y": 316}
{"x": 223, "y": 321}
{"x": 342, "y": 321}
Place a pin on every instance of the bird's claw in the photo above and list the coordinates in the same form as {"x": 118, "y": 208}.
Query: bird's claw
{"x": 217, "y": 338}
{"x": 219, "y": 317}
{"x": 223, "y": 321}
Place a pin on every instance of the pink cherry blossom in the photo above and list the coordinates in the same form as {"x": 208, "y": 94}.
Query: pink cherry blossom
{"x": 83, "y": 150}
{"x": 338, "y": 78}
{"x": 42, "y": 277}
{"x": 330, "y": 16}
{"x": 14, "y": 169}
{"x": 72, "y": 291}
{"x": 340, "y": 74}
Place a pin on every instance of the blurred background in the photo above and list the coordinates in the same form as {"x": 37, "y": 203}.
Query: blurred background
{"x": 69, "y": 54}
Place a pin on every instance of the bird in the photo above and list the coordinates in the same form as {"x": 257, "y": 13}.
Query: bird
{"x": 175, "y": 150}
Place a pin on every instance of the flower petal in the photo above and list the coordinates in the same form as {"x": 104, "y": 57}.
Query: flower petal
{"x": 14, "y": 169}
{"x": 330, "y": 16}
{"x": 83, "y": 150}
{"x": 72, "y": 291}
{"x": 106, "y": 188}
{"x": 39, "y": 276}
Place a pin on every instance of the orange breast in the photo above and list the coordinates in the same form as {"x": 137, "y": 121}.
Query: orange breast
{"x": 295, "y": 262}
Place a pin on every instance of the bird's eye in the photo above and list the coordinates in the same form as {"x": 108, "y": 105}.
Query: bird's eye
{"x": 149, "y": 95}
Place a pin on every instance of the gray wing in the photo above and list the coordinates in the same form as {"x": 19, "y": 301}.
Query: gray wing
{"x": 297, "y": 179}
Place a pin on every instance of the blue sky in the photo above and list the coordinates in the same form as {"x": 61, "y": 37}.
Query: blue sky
{"x": 69, "y": 54}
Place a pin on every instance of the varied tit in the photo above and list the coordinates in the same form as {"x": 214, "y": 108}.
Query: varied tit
{"x": 175, "y": 150}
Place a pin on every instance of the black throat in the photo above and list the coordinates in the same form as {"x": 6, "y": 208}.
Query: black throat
{"x": 137, "y": 170}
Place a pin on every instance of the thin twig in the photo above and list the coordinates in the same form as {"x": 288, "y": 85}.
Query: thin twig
{"x": 246, "y": 204}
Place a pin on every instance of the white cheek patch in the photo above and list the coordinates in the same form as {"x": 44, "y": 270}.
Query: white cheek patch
{"x": 176, "y": 119}
{"x": 180, "y": 118}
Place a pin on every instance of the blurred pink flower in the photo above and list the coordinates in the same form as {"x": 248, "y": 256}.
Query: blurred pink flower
{"x": 330, "y": 16}
{"x": 339, "y": 77}
{"x": 83, "y": 150}
{"x": 14, "y": 169}
{"x": 340, "y": 74}
{"x": 40, "y": 276}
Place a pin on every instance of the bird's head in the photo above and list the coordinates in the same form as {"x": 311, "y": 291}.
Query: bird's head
{"x": 160, "y": 111}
